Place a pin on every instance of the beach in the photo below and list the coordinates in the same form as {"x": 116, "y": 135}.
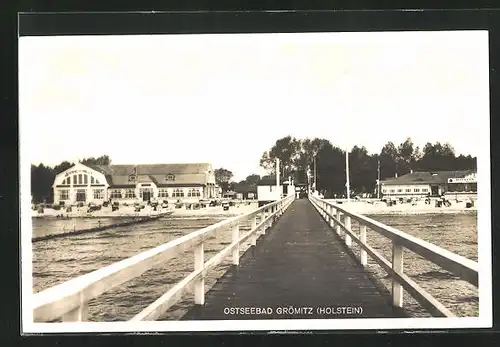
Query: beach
{"x": 379, "y": 207}
{"x": 129, "y": 211}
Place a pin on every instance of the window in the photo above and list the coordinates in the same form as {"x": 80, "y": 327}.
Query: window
{"x": 408, "y": 190}
{"x": 391, "y": 191}
{"x": 116, "y": 194}
{"x": 85, "y": 179}
{"x": 74, "y": 179}
{"x": 416, "y": 190}
{"x": 64, "y": 194}
{"x": 80, "y": 181}
{"x": 130, "y": 194}
{"x": 194, "y": 192}
{"x": 162, "y": 193}
{"x": 91, "y": 179}
{"x": 81, "y": 195}
{"x": 400, "y": 190}
{"x": 178, "y": 193}
{"x": 384, "y": 190}
{"x": 424, "y": 190}
{"x": 98, "y": 193}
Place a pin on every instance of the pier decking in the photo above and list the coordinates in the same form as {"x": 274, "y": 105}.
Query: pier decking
{"x": 300, "y": 266}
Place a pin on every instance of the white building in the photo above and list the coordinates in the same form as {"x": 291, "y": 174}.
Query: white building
{"x": 419, "y": 184}
{"x": 171, "y": 182}
{"x": 268, "y": 191}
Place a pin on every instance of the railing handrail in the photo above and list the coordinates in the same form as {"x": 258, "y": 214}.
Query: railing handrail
{"x": 53, "y": 303}
{"x": 465, "y": 268}
{"x": 460, "y": 266}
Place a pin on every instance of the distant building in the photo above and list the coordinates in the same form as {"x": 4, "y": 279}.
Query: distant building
{"x": 98, "y": 183}
{"x": 437, "y": 183}
{"x": 267, "y": 191}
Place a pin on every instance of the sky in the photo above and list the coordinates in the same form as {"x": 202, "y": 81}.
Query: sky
{"x": 225, "y": 99}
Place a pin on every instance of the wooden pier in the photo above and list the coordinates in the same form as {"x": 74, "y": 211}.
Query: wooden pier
{"x": 300, "y": 269}
{"x": 299, "y": 265}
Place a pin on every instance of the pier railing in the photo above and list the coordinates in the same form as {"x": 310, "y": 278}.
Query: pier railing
{"x": 461, "y": 267}
{"x": 68, "y": 301}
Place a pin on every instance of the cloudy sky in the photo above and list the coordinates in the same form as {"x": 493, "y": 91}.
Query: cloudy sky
{"x": 225, "y": 99}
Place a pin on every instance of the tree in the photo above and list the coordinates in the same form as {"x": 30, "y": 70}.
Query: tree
{"x": 223, "y": 177}
{"x": 65, "y": 165}
{"x": 286, "y": 150}
{"x": 388, "y": 160}
{"x": 102, "y": 160}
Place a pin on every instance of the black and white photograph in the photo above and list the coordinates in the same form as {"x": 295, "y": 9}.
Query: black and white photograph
{"x": 255, "y": 182}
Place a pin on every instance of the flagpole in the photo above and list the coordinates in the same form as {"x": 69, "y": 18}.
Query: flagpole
{"x": 347, "y": 173}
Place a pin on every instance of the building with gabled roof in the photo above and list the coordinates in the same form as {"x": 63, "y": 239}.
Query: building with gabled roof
{"x": 98, "y": 183}
{"x": 431, "y": 183}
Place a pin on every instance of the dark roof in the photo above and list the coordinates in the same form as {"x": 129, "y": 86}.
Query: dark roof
{"x": 433, "y": 177}
{"x": 270, "y": 181}
{"x": 118, "y": 175}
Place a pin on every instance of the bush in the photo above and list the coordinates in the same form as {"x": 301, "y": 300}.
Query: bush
{"x": 56, "y": 207}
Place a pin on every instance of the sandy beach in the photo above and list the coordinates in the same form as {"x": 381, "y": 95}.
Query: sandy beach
{"x": 128, "y": 211}
{"x": 378, "y": 207}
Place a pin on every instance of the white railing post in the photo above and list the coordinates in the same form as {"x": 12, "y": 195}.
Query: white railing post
{"x": 254, "y": 234}
{"x": 79, "y": 314}
{"x": 332, "y": 213}
{"x": 262, "y": 219}
{"x": 339, "y": 230}
{"x": 362, "y": 238}
{"x": 397, "y": 265}
{"x": 348, "y": 227}
{"x": 236, "y": 250}
{"x": 327, "y": 216}
{"x": 199, "y": 285}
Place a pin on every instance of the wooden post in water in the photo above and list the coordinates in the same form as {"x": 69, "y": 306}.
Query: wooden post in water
{"x": 199, "y": 285}
{"x": 397, "y": 265}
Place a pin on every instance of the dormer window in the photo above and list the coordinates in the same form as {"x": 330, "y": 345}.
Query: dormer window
{"x": 170, "y": 177}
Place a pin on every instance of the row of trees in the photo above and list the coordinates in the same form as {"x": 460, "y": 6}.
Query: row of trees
{"x": 42, "y": 176}
{"x": 297, "y": 157}
{"x": 223, "y": 178}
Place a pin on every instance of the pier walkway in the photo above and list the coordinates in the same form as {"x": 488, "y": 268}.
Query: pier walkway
{"x": 299, "y": 265}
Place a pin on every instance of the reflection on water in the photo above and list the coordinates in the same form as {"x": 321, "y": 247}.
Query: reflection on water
{"x": 58, "y": 260}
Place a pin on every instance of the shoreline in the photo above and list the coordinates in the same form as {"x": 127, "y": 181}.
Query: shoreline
{"x": 360, "y": 207}
{"x": 128, "y": 212}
